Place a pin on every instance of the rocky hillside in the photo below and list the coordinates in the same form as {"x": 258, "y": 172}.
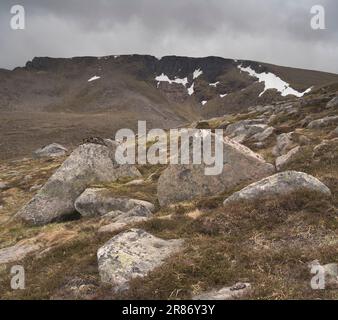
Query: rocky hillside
{"x": 65, "y": 100}
{"x": 85, "y": 227}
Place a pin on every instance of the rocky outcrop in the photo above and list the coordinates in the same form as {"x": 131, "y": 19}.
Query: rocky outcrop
{"x": 239, "y": 290}
{"x": 285, "y": 142}
{"x": 101, "y": 201}
{"x": 52, "y": 150}
{"x": 284, "y": 160}
{"x": 132, "y": 254}
{"x": 333, "y": 103}
{"x": 242, "y": 130}
{"x": 184, "y": 182}
{"x": 280, "y": 184}
{"x": 324, "y": 122}
{"x": 262, "y": 136}
{"x": 88, "y": 164}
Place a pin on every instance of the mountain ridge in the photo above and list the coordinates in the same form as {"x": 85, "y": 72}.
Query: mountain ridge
{"x": 68, "y": 99}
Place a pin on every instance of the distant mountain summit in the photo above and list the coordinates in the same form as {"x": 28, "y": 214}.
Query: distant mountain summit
{"x": 174, "y": 88}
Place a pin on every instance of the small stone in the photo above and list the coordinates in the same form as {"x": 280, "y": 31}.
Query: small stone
{"x": 239, "y": 290}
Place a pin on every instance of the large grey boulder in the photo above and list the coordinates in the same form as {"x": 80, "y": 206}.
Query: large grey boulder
{"x": 280, "y": 184}
{"x": 100, "y": 201}
{"x": 184, "y": 182}
{"x": 133, "y": 254}
{"x": 88, "y": 164}
{"x": 324, "y": 122}
{"x": 52, "y": 150}
{"x": 239, "y": 290}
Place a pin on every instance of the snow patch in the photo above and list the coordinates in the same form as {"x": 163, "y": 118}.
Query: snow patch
{"x": 214, "y": 84}
{"x": 271, "y": 81}
{"x": 93, "y": 78}
{"x": 204, "y": 102}
{"x": 165, "y": 78}
{"x": 191, "y": 90}
{"x": 223, "y": 95}
{"x": 197, "y": 73}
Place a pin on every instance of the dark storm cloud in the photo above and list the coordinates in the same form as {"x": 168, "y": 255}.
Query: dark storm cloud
{"x": 276, "y": 31}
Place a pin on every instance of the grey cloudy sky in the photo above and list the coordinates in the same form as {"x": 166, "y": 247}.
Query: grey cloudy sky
{"x": 276, "y": 31}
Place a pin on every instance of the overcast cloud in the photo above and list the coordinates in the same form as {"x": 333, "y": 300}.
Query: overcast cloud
{"x": 276, "y": 31}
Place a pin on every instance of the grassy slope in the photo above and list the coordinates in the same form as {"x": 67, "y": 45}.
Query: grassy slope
{"x": 267, "y": 243}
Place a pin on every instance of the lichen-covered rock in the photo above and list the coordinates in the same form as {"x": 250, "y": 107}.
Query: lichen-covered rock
{"x": 324, "y": 122}
{"x": 185, "y": 182}
{"x": 239, "y": 290}
{"x": 327, "y": 149}
{"x": 100, "y": 201}
{"x": 132, "y": 254}
{"x": 280, "y": 184}
{"x": 52, "y": 150}
{"x": 284, "y": 160}
{"x": 88, "y": 164}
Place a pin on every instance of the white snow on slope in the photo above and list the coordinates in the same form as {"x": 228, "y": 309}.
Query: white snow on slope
{"x": 197, "y": 73}
{"x": 191, "y": 90}
{"x": 214, "y": 84}
{"x": 204, "y": 102}
{"x": 271, "y": 81}
{"x": 165, "y": 78}
{"x": 223, "y": 95}
{"x": 94, "y": 78}
{"x": 182, "y": 81}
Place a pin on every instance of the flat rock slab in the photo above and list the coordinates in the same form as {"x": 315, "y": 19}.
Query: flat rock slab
{"x": 17, "y": 252}
{"x": 133, "y": 254}
{"x": 101, "y": 201}
{"x": 324, "y": 122}
{"x": 52, "y": 150}
{"x": 239, "y": 290}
